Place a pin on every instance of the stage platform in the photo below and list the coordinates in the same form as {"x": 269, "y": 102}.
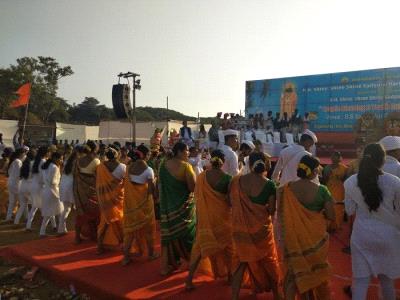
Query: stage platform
{"x": 103, "y": 277}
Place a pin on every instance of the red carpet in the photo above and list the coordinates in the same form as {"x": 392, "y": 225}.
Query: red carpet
{"x": 102, "y": 277}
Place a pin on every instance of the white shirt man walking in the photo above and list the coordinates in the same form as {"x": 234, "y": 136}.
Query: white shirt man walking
{"x": 391, "y": 145}
{"x": 289, "y": 158}
{"x": 231, "y": 164}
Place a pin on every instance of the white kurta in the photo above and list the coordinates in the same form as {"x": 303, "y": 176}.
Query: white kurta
{"x": 25, "y": 186}
{"x": 392, "y": 166}
{"x": 37, "y": 187}
{"x": 119, "y": 172}
{"x": 375, "y": 240}
{"x": 231, "y": 164}
{"x": 196, "y": 164}
{"x": 286, "y": 167}
{"x": 66, "y": 188}
{"x": 51, "y": 204}
{"x": 13, "y": 176}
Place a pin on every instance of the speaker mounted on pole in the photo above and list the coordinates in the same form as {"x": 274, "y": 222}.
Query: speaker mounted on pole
{"x": 121, "y": 101}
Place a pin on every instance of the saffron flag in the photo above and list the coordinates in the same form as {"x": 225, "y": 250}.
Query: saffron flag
{"x": 24, "y": 93}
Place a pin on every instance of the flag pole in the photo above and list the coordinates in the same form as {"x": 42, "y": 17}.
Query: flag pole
{"x": 24, "y": 125}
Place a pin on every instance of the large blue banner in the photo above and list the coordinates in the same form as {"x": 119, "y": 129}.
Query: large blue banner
{"x": 329, "y": 102}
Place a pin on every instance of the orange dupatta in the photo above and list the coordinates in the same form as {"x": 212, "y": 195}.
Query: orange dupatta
{"x": 110, "y": 194}
{"x": 306, "y": 243}
{"x": 139, "y": 215}
{"x": 336, "y": 187}
{"x": 213, "y": 229}
{"x": 253, "y": 239}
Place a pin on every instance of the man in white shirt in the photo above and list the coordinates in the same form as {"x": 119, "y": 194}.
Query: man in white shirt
{"x": 289, "y": 158}
{"x": 391, "y": 145}
{"x": 231, "y": 164}
{"x": 245, "y": 149}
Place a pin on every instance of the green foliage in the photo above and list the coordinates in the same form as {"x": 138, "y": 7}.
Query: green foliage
{"x": 158, "y": 114}
{"x": 45, "y": 106}
{"x": 44, "y": 74}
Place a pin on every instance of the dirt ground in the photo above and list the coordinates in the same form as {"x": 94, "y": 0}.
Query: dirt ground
{"x": 12, "y": 284}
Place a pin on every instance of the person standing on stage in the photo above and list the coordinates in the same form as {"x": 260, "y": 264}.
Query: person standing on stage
{"x": 289, "y": 158}
{"x": 186, "y": 134}
{"x": 231, "y": 164}
{"x": 373, "y": 197}
{"x": 391, "y": 145}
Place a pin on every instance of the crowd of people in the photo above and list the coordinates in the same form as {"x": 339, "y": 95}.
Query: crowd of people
{"x": 222, "y": 203}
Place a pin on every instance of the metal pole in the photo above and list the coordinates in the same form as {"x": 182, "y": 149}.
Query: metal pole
{"x": 24, "y": 125}
{"x": 134, "y": 113}
{"x": 167, "y": 122}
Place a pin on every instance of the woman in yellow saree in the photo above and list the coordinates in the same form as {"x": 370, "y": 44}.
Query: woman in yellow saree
{"x": 214, "y": 222}
{"x": 253, "y": 203}
{"x": 334, "y": 175}
{"x": 178, "y": 219}
{"x": 110, "y": 192}
{"x": 304, "y": 207}
{"x": 139, "y": 222}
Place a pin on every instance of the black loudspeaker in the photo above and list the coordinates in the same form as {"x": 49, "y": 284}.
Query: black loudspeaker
{"x": 121, "y": 101}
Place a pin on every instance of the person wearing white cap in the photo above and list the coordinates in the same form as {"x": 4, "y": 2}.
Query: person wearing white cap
{"x": 391, "y": 145}
{"x": 231, "y": 164}
{"x": 245, "y": 149}
{"x": 289, "y": 158}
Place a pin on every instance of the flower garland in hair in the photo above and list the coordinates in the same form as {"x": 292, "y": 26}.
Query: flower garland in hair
{"x": 216, "y": 159}
{"x": 305, "y": 168}
{"x": 256, "y": 163}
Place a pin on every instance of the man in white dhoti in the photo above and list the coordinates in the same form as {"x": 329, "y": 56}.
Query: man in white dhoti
{"x": 289, "y": 158}
{"x": 391, "y": 145}
{"x": 374, "y": 197}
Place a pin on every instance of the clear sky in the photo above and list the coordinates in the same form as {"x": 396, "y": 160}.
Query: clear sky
{"x": 199, "y": 53}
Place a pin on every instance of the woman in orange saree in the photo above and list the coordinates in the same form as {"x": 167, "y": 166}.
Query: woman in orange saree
{"x": 334, "y": 175}
{"x": 253, "y": 203}
{"x": 213, "y": 239}
{"x": 5, "y": 158}
{"x": 139, "y": 222}
{"x": 84, "y": 186}
{"x": 110, "y": 192}
{"x": 304, "y": 207}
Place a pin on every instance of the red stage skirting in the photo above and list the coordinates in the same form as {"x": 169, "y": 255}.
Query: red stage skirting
{"x": 102, "y": 277}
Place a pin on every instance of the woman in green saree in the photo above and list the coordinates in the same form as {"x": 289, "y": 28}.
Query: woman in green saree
{"x": 178, "y": 218}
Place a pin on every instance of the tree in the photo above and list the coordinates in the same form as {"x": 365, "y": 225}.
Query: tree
{"x": 44, "y": 74}
{"x": 90, "y": 112}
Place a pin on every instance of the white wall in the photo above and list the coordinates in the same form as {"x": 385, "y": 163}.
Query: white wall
{"x": 8, "y": 128}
